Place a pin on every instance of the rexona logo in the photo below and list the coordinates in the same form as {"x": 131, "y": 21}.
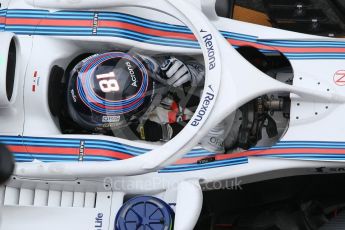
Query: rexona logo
{"x": 204, "y": 108}
{"x": 208, "y": 40}
{"x": 131, "y": 72}
{"x": 99, "y": 221}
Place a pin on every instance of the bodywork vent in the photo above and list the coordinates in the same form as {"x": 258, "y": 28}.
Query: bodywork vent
{"x": 10, "y": 196}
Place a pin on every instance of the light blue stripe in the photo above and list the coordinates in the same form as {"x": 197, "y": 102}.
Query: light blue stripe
{"x": 306, "y": 147}
{"x": 320, "y": 155}
{"x": 23, "y": 155}
{"x": 54, "y": 16}
{"x": 115, "y": 144}
{"x": 12, "y": 142}
{"x": 87, "y": 158}
{"x": 51, "y": 144}
{"x": 85, "y": 13}
{"x": 14, "y": 138}
{"x": 315, "y": 44}
{"x": 53, "y": 160}
{"x": 50, "y": 156}
{"x": 306, "y": 157}
{"x": 309, "y": 146}
{"x": 62, "y": 33}
{"x": 310, "y": 143}
{"x": 54, "y": 32}
{"x": 200, "y": 151}
{"x": 52, "y": 140}
{"x": 27, "y": 11}
{"x": 315, "y": 54}
{"x": 239, "y": 38}
{"x": 99, "y": 159}
{"x": 316, "y": 58}
{"x": 46, "y": 12}
{"x": 192, "y": 155}
{"x": 47, "y": 16}
{"x": 151, "y": 41}
{"x": 233, "y": 34}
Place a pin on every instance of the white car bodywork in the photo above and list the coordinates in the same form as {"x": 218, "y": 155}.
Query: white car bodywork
{"x": 69, "y": 181}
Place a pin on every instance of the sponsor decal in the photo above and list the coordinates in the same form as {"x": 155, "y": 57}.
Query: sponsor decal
{"x": 106, "y": 119}
{"x": 35, "y": 81}
{"x": 81, "y": 150}
{"x": 95, "y": 24}
{"x": 208, "y": 40}
{"x": 216, "y": 141}
{"x": 200, "y": 114}
{"x": 99, "y": 221}
{"x": 132, "y": 74}
{"x": 339, "y": 78}
{"x": 206, "y": 160}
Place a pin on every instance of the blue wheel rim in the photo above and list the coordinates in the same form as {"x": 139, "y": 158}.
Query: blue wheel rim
{"x": 144, "y": 213}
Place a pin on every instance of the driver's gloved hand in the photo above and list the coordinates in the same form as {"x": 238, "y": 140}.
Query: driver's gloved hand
{"x": 197, "y": 72}
{"x": 175, "y": 72}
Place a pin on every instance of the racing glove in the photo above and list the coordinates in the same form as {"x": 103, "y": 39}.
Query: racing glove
{"x": 176, "y": 73}
{"x": 173, "y": 72}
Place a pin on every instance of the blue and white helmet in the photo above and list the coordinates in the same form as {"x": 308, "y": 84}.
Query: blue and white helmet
{"x": 109, "y": 90}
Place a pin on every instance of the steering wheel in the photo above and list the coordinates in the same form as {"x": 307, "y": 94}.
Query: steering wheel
{"x": 229, "y": 83}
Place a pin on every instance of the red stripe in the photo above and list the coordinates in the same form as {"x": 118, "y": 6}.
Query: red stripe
{"x": 17, "y": 148}
{"x": 106, "y": 153}
{"x": 2, "y": 20}
{"x": 53, "y": 150}
{"x": 48, "y": 22}
{"x": 145, "y": 30}
{"x": 33, "y": 88}
{"x": 244, "y": 43}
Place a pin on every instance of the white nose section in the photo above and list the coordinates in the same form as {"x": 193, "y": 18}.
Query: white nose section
{"x": 8, "y": 55}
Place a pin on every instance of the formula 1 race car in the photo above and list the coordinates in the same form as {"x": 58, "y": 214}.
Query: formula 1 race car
{"x": 83, "y": 161}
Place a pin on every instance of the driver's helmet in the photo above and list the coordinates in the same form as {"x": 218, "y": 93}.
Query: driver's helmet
{"x": 109, "y": 91}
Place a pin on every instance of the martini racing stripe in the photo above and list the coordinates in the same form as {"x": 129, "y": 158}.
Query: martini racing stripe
{"x": 145, "y": 30}
{"x": 64, "y": 150}
{"x": 121, "y": 17}
{"x": 153, "y": 32}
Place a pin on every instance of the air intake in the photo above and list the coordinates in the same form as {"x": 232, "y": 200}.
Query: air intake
{"x": 8, "y": 59}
